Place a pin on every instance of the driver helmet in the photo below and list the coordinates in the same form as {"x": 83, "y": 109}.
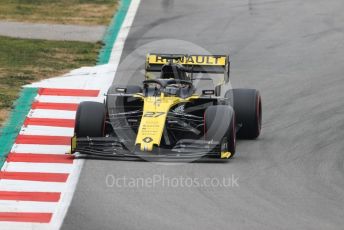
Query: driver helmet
{"x": 174, "y": 71}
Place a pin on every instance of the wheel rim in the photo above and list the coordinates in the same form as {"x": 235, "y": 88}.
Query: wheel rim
{"x": 234, "y": 132}
{"x": 226, "y": 142}
{"x": 259, "y": 114}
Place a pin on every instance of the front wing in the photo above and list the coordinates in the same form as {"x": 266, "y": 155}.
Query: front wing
{"x": 111, "y": 147}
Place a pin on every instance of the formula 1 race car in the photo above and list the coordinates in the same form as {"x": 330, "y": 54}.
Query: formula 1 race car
{"x": 178, "y": 113}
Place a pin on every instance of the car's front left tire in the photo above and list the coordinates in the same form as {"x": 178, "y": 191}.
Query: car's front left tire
{"x": 90, "y": 119}
{"x": 247, "y": 104}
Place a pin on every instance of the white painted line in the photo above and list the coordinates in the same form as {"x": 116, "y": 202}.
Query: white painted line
{"x": 48, "y": 113}
{"x": 31, "y": 186}
{"x": 37, "y": 167}
{"x": 45, "y": 149}
{"x": 96, "y": 77}
{"x": 117, "y": 49}
{"x": 67, "y": 195}
{"x": 21, "y": 225}
{"x": 47, "y": 130}
{"x": 65, "y": 99}
{"x": 114, "y": 59}
{"x": 26, "y": 206}
{"x": 99, "y": 77}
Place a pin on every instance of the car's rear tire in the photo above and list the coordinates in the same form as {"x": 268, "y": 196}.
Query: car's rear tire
{"x": 90, "y": 119}
{"x": 220, "y": 126}
{"x": 247, "y": 105}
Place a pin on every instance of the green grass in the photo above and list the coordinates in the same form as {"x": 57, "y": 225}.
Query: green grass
{"x": 23, "y": 61}
{"x": 88, "y": 12}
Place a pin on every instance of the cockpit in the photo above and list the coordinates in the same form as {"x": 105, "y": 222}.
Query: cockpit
{"x": 170, "y": 87}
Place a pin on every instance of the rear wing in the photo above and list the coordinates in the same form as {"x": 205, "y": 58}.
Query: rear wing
{"x": 212, "y": 64}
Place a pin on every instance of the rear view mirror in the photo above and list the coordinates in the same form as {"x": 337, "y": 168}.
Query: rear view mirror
{"x": 208, "y": 92}
{"x": 121, "y": 90}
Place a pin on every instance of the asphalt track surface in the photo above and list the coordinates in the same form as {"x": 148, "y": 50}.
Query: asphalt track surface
{"x": 292, "y": 176}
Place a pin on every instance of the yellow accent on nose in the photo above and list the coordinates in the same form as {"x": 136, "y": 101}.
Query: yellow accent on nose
{"x": 155, "y": 110}
{"x": 73, "y": 144}
{"x": 225, "y": 155}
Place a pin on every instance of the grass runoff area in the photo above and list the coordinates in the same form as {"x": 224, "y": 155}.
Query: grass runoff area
{"x": 23, "y": 61}
{"x": 83, "y": 12}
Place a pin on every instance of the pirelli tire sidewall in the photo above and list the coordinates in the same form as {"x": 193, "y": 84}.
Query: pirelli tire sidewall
{"x": 220, "y": 126}
{"x": 247, "y": 104}
{"x": 90, "y": 119}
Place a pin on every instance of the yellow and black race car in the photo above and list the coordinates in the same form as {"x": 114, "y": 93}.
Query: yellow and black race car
{"x": 182, "y": 111}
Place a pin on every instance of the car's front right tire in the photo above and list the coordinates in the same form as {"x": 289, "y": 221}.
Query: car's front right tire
{"x": 220, "y": 126}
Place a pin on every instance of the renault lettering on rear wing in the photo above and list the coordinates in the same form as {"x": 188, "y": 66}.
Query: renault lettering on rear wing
{"x": 216, "y": 64}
